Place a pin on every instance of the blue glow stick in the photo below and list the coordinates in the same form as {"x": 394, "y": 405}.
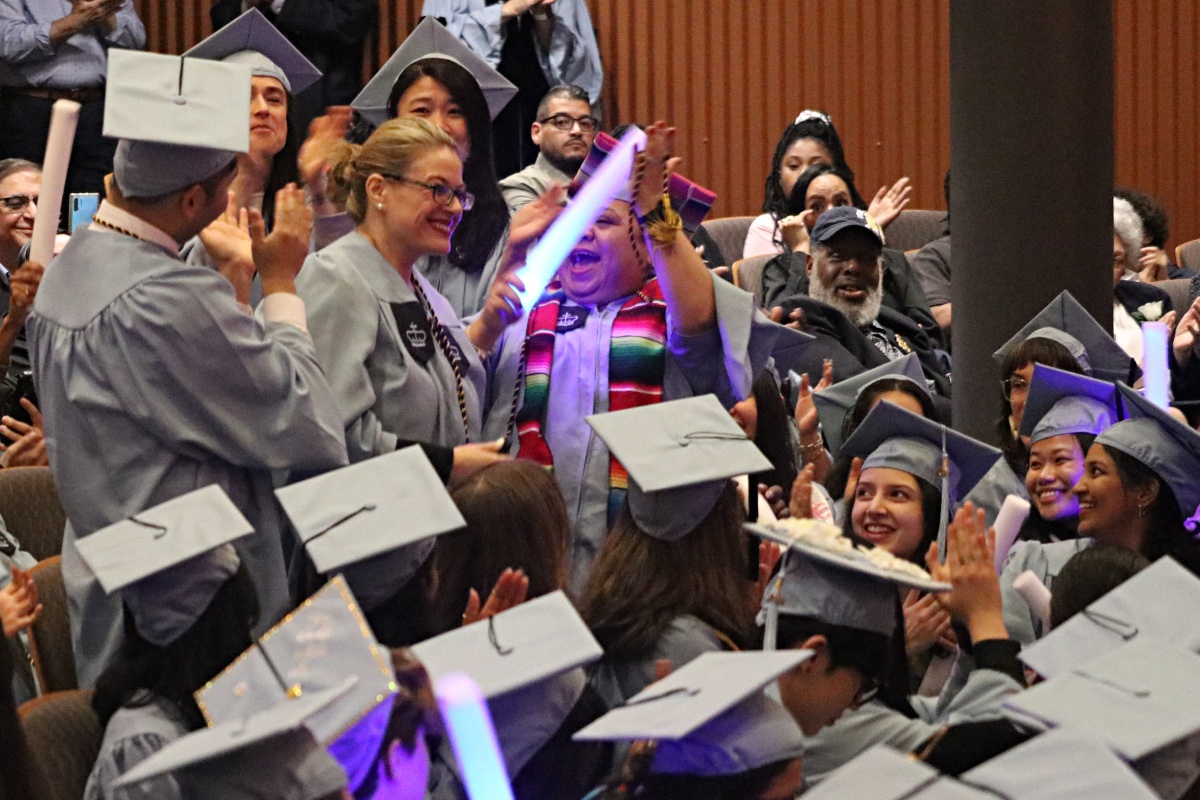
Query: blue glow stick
{"x": 474, "y": 739}
{"x": 1157, "y": 380}
{"x": 597, "y": 194}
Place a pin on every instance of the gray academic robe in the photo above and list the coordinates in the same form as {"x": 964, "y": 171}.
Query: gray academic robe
{"x": 684, "y": 640}
{"x": 154, "y": 383}
{"x": 971, "y": 695}
{"x": 724, "y": 360}
{"x": 522, "y": 188}
{"x": 132, "y": 736}
{"x": 1043, "y": 560}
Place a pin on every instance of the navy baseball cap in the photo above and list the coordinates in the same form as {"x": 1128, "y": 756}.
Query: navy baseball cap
{"x": 836, "y": 220}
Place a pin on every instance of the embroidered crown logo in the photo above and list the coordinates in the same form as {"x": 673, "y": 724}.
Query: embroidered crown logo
{"x": 416, "y": 336}
{"x": 567, "y": 319}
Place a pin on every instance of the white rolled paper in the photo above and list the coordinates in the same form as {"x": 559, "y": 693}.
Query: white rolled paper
{"x": 1008, "y": 524}
{"x": 1157, "y": 380}
{"x": 54, "y": 177}
{"x": 1036, "y": 596}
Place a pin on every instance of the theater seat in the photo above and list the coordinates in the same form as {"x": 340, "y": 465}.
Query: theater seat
{"x": 64, "y": 738}
{"x": 50, "y": 637}
{"x": 730, "y": 235}
{"x": 748, "y": 275}
{"x": 1187, "y": 255}
{"x": 31, "y": 509}
{"x": 914, "y": 228}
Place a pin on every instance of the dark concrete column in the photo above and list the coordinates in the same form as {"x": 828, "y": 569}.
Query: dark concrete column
{"x": 1031, "y": 141}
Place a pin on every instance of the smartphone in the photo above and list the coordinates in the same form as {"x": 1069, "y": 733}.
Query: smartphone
{"x": 83, "y": 208}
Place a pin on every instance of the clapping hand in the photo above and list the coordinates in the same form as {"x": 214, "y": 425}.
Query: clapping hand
{"x": 970, "y": 569}
{"x": 227, "y": 240}
{"x": 888, "y": 203}
{"x": 511, "y": 589}
{"x": 28, "y": 442}
{"x": 19, "y": 606}
{"x": 280, "y": 255}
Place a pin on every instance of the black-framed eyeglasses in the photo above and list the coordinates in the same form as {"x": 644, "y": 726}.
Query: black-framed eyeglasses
{"x": 442, "y": 194}
{"x": 565, "y": 122}
{"x": 16, "y": 203}
{"x": 1014, "y": 385}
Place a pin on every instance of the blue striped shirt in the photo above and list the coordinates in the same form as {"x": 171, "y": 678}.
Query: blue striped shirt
{"x": 28, "y": 58}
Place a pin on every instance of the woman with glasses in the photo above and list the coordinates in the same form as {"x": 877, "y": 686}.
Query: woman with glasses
{"x": 402, "y": 366}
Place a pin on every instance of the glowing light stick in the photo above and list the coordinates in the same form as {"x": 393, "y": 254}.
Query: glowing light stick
{"x": 1154, "y": 363}
{"x": 596, "y": 195}
{"x": 1008, "y": 524}
{"x": 473, "y": 738}
{"x": 54, "y": 176}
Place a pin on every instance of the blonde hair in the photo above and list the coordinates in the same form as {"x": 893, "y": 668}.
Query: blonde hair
{"x": 390, "y": 150}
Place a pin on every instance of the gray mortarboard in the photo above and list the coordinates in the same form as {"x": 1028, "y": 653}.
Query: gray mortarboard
{"x": 892, "y": 437}
{"x": 834, "y": 402}
{"x": 1137, "y": 699}
{"x": 754, "y": 733}
{"x": 276, "y": 736}
{"x": 179, "y": 120}
{"x": 1059, "y": 765}
{"x": 678, "y": 454}
{"x": 693, "y": 695}
{"x": 431, "y": 39}
{"x": 789, "y": 348}
{"x": 525, "y": 662}
{"x": 375, "y": 510}
{"x": 1061, "y": 402}
{"x": 313, "y": 649}
{"x": 880, "y": 773}
{"x": 252, "y": 40}
{"x": 1065, "y": 321}
{"x": 1148, "y": 604}
{"x": 1161, "y": 442}
{"x": 824, "y": 576}
{"x": 168, "y": 561}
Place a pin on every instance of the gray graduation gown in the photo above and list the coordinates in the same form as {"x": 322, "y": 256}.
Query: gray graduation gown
{"x": 154, "y": 383}
{"x": 971, "y": 695}
{"x": 1043, "y": 560}
{"x": 685, "y": 639}
{"x": 132, "y": 736}
{"x": 724, "y": 361}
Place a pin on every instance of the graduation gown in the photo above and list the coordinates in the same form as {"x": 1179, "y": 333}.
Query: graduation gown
{"x": 685, "y": 639}
{"x": 132, "y": 736}
{"x": 1043, "y": 560}
{"x": 724, "y": 361}
{"x": 154, "y": 383}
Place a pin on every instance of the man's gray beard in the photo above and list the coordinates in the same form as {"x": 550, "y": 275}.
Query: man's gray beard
{"x": 861, "y": 314}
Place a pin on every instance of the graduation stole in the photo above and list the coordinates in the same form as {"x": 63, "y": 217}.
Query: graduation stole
{"x": 636, "y": 362}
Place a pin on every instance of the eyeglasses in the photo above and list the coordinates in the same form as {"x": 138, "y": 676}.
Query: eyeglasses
{"x": 565, "y": 122}
{"x": 442, "y": 194}
{"x": 17, "y": 203}
{"x": 1015, "y": 385}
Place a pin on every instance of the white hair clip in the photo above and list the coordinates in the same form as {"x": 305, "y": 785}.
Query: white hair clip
{"x": 810, "y": 113}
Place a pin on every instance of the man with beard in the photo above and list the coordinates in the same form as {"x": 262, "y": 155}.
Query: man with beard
{"x": 563, "y": 132}
{"x": 844, "y": 305}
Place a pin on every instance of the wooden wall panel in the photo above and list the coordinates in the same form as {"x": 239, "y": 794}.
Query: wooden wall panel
{"x": 731, "y": 75}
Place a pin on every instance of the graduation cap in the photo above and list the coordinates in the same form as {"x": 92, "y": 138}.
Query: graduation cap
{"x": 691, "y": 696}
{"x": 835, "y": 402}
{"x": 1164, "y": 444}
{"x": 789, "y": 348}
{"x": 690, "y": 200}
{"x": 525, "y": 662}
{"x": 179, "y": 120}
{"x": 823, "y": 575}
{"x": 313, "y": 649}
{"x": 1065, "y": 321}
{"x": 1137, "y": 699}
{"x": 168, "y": 561}
{"x": 892, "y": 437}
{"x": 376, "y": 509}
{"x": 1061, "y": 402}
{"x": 275, "y": 736}
{"x": 1148, "y": 604}
{"x": 431, "y": 39}
{"x": 879, "y": 773}
{"x": 754, "y": 733}
{"x": 679, "y": 455}
{"x": 252, "y": 40}
{"x": 1059, "y": 765}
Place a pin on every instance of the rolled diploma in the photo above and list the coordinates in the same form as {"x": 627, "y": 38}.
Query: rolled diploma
{"x": 1154, "y": 364}
{"x": 473, "y": 738}
{"x": 1008, "y": 524}
{"x": 1036, "y": 596}
{"x": 596, "y": 195}
{"x": 54, "y": 177}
